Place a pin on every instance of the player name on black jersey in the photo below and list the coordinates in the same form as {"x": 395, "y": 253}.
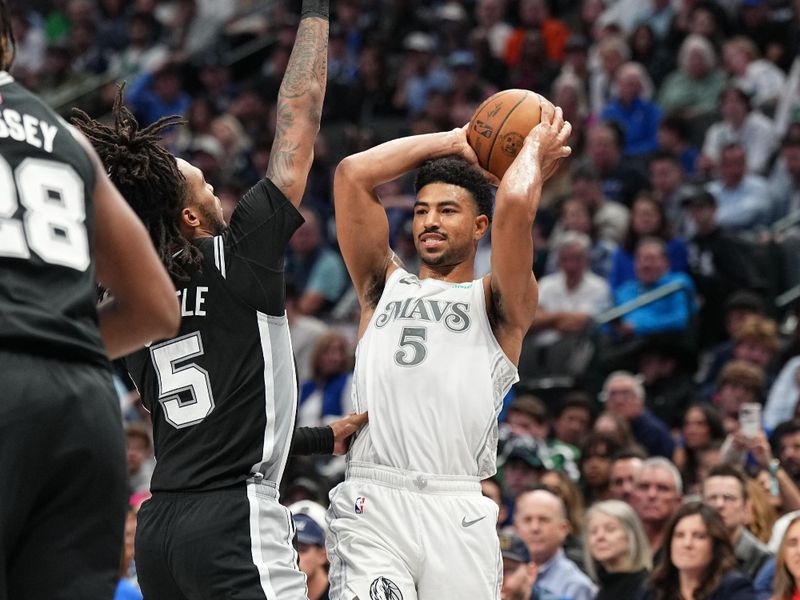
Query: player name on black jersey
{"x": 27, "y": 128}
{"x": 193, "y": 301}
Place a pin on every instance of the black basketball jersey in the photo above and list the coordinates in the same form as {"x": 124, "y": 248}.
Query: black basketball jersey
{"x": 222, "y": 393}
{"x": 47, "y": 219}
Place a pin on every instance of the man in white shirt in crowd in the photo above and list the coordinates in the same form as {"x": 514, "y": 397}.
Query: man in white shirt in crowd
{"x": 571, "y": 297}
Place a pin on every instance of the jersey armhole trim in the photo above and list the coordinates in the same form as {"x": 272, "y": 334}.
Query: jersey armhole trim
{"x": 488, "y": 325}
{"x": 219, "y": 255}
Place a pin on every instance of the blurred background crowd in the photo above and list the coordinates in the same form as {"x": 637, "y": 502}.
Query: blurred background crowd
{"x": 667, "y": 252}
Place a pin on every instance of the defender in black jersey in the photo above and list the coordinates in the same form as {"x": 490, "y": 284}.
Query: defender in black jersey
{"x": 62, "y": 461}
{"x": 223, "y": 392}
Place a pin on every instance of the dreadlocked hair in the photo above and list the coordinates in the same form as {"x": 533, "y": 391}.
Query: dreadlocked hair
{"x": 148, "y": 177}
{"x": 8, "y": 45}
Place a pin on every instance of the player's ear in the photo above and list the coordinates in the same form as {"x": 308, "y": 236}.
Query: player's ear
{"x": 190, "y": 220}
{"x": 481, "y": 226}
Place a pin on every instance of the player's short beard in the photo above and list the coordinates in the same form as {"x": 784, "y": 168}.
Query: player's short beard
{"x": 215, "y": 224}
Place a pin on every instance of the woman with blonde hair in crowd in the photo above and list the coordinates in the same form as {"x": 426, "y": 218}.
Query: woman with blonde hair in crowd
{"x": 786, "y": 585}
{"x": 699, "y": 562}
{"x": 616, "y": 551}
{"x": 762, "y": 515}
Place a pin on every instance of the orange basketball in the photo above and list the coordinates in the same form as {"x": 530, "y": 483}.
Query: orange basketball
{"x": 499, "y": 126}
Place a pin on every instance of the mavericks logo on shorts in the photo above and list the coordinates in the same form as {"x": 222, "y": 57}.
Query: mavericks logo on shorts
{"x": 384, "y": 589}
{"x": 360, "y": 501}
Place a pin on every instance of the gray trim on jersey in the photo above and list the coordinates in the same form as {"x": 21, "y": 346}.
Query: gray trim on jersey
{"x": 219, "y": 255}
{"x": 276, "y": 347}
{"x": 5, "y": 78}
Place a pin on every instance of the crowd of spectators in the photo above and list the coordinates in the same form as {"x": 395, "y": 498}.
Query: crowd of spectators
{"x": 624, "y": 467}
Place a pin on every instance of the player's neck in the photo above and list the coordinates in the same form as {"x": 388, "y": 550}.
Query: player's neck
{"x": 458, "y": 273}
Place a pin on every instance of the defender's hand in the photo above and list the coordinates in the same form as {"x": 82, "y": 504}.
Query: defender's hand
{"x": 343, "y": 430}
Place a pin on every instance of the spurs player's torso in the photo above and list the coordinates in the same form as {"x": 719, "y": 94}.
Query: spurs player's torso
{"x": 432, "y": 375}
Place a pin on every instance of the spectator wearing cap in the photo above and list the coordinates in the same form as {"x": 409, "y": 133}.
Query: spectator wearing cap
{"x": 743, "y": 201}
{"x": 617, "y": 555}
{"x": 519, "y": 572}
{"x": 540, "y": 519}
{"x": 740, "y": 124}
{"x": 522, "y": 461}
{"x": 527, "y": 417}
{"x": 725, "y": 490}
{"x": 632, "y": 108}
{"x": 624, "y": 395}
{"x": 309, "y": 523}
{"x": 719, "y": 265}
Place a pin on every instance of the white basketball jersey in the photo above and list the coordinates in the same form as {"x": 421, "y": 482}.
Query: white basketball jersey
{"x": 432, "y": 376}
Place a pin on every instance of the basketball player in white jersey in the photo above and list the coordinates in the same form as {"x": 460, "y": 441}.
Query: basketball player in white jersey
{"x": 437, "y": 353}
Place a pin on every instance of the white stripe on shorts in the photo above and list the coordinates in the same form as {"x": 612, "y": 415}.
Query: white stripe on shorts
{"x": 258, "y": 539}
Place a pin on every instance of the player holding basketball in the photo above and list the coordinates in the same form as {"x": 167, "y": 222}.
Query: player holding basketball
{"x": 63, "y": 227}
{"x": 435, "y": 358}
{"x": 223, "y": 392}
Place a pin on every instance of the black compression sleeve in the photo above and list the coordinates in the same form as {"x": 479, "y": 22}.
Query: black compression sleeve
{"x": 315, "y": 8}
{"x": 312, "y": 440}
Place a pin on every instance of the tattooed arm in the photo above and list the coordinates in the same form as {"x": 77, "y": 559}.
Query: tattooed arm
{"x": 300, "y": 103}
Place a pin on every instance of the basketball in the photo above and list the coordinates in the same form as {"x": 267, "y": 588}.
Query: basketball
{"x": 498, "y": 128}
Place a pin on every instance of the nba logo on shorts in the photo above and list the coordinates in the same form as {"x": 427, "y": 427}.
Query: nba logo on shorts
{"x": 360, "y": 504}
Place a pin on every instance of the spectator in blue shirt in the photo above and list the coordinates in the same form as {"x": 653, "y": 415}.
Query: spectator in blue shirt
{"x": 671, "y": 313}
{"x": 540, "y": 519}
{"x": 632, "y": 109}
{"x": 648, "y": 218}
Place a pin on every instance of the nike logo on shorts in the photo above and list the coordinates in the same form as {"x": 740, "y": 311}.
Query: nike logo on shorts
{"x": 465, "y": 523}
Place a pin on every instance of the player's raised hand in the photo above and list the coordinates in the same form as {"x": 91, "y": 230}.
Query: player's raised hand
{"x": 551, "y": 135}
{"x": 463, "y": 149}
{"x": 344, "y": 428}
